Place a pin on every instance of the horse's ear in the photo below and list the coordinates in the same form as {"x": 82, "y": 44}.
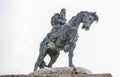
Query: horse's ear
{"x": 94, "y": 13}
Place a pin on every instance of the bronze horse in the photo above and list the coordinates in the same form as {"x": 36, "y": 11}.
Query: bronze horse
{"x": 66, "y": 40}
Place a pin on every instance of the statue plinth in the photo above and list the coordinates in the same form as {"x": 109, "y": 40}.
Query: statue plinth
{"x": 61, "y": 72}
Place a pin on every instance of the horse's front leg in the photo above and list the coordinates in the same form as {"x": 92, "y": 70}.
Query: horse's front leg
{"x": 70, "y": 48}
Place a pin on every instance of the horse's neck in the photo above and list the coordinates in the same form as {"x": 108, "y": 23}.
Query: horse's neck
{"x": 75, "y": 21}
{"x": 70, "y": 28}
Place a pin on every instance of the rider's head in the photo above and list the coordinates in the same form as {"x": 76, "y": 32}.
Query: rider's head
{"x": 63, "y": 12}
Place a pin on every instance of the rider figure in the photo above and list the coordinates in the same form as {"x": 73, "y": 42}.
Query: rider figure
{"x": 57, "y": 21}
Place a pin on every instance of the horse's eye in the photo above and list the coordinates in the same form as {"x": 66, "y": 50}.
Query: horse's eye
{"x": 90, "y": 18}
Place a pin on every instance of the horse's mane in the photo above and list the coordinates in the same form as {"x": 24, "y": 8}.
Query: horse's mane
{"x": 82, "y": 13}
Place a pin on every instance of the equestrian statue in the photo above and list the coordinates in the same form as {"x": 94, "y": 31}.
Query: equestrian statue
{"x": 63, "y": 36}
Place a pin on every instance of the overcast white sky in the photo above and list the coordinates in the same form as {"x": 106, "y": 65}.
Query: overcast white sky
{"x": 24, "y": 24}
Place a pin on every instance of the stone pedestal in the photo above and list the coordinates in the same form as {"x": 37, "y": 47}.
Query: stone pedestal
{"x": 61, "y": 72}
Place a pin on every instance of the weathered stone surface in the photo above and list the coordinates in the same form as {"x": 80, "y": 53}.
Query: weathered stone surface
{"x": 61, "y": 72}
{"x": 19, "y": 75}
{"x": 62, "y": 75}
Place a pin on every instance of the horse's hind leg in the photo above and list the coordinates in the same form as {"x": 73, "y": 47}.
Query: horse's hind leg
{"x": 40, "y": 61}
{"x": 53, "y": 57}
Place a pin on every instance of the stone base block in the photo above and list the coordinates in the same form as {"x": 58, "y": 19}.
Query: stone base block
{"x": 61, "y": 72}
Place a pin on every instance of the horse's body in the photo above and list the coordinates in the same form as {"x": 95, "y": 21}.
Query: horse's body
{"x": 66, "y": 40}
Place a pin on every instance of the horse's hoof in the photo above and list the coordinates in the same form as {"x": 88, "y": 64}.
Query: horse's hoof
{"x": 71, "y": 65}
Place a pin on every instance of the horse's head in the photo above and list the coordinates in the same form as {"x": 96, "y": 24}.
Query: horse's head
{"x": 88, "y": 18}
